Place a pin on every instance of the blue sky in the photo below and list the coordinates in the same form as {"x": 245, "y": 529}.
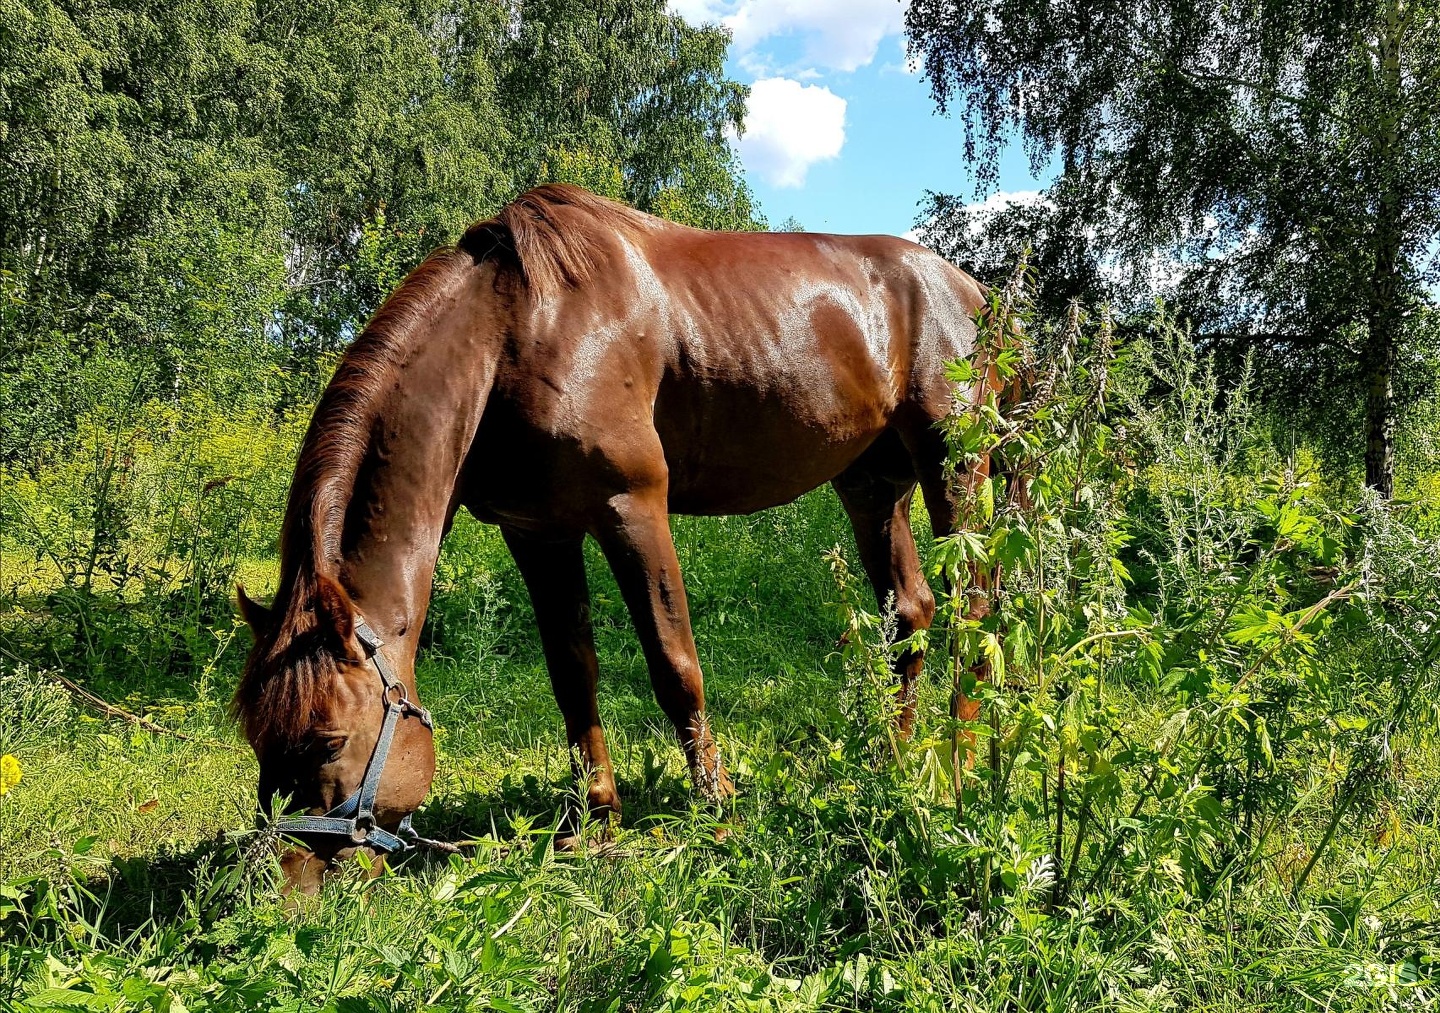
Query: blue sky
{"x": 841, "y": 134}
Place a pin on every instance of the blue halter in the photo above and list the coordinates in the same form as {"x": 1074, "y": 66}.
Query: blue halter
{"x": 354, "y": 819}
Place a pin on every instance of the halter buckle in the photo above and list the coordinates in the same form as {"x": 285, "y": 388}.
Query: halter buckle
{"x": 402, "y": 700}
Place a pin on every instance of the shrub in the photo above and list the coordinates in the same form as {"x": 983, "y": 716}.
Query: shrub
{"x": 1144, "y": 745}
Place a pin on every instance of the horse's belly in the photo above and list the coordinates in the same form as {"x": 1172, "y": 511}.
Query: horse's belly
{"x": 733, "y": 451}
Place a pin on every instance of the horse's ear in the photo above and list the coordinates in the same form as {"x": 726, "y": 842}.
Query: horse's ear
{"x": 335, "y": 612}
{"x": 258, "y": 616}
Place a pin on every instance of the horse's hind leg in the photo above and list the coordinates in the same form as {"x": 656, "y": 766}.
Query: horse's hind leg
{"x": 554, "y": 572}
{"x": 636, "y": 540}
{"x": 879, "y": 509}
{"x": 943, "y": 503}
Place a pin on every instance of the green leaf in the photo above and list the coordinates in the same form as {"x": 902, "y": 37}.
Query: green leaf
{"x": 1118, "y": 569}
{"x": 986, "y": 498}
{"x": 960, "y": 371}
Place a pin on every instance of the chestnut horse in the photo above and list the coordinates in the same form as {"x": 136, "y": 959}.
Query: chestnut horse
{"x": 574, "y": 367}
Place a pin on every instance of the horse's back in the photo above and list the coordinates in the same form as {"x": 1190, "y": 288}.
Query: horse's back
{"x": 741, "y": 297}
{"x": 789, "y": 353}
{"x": 740, "y": 369}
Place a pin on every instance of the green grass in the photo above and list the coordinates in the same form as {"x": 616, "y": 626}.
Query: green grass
{"x": 128, "y": 883}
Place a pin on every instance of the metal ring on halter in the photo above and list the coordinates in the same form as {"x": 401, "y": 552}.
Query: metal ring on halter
{"x": 354, "y": 818}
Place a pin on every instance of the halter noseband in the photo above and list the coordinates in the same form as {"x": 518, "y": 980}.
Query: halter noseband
{"x": 354, "y": 819}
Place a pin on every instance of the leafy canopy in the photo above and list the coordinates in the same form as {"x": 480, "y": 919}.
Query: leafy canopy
{"x": 198, "y": 190}
{"x": 1273, "y": 165}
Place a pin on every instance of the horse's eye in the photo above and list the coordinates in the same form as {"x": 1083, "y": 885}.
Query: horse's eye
{"x": 329, "y": 745}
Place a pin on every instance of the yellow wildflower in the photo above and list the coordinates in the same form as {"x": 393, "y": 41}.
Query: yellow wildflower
{"x": 9, "y": 773}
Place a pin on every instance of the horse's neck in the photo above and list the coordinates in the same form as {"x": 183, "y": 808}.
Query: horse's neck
{"x": 404, "y": 496}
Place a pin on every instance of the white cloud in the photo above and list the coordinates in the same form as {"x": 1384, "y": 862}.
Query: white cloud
{"x": 909, "y": 63}
{"x": 906, "y": 64}
{"x": 1156, "y": 272}
{"x": 789, "y": 127}
{"x": 980, "y": 212}
{"x": 697, "y": 12}
{"x": 837, "y": 34}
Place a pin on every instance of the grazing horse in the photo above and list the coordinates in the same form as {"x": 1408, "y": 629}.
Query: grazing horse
{"x": 574, "y": 367}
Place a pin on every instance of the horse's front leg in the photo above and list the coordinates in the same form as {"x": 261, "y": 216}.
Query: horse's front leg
{"x": 554, "y": 572}
{"x": 636, "y": 540}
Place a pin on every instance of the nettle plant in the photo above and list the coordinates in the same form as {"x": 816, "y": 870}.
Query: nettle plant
{"x": 1190, "y": 670}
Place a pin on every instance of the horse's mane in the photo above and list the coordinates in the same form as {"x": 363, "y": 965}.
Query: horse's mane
{"x": 553, "y": 237}
{"x": 557, "y": 234}
{"x": 293, "y": 661}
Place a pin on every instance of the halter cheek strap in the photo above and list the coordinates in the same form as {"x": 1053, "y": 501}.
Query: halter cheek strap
{"x": 354, "y": 818}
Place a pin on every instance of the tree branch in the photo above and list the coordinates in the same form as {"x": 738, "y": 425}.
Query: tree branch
{"x": 1280, "y": 337}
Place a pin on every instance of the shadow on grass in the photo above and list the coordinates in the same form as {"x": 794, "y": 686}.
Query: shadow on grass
{"x": 523, "y": 804}
{"x": 118, "y": 898}
{"x": 123, "y": 898}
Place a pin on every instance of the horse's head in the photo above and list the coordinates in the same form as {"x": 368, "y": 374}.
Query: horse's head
{"x": 332, "y": 717}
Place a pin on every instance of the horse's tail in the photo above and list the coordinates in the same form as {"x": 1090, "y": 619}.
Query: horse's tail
{"x": 1017, "y": 391}
{"x": 1008, "y": 379}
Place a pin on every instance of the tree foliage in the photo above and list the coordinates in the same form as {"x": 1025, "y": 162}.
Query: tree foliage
{"x": 197, "y": 191}
{"x": 1283, "y": 157}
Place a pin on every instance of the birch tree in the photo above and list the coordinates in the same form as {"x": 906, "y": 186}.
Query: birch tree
{"x": 1285, "y": 154}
